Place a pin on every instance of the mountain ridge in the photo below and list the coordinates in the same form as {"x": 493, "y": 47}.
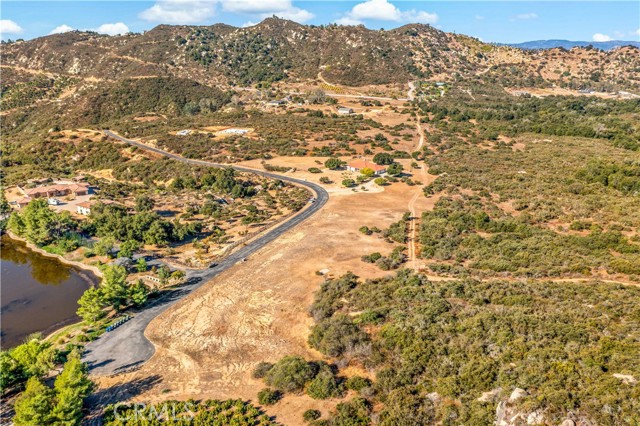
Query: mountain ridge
{"x": 281, "y": 50}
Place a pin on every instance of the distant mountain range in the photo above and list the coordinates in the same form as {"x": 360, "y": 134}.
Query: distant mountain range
{"x": 280, "y": 50}
{"x": 567, "y": 44}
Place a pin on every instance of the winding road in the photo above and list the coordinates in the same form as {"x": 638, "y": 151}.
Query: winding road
{"x": 127, "y": 347}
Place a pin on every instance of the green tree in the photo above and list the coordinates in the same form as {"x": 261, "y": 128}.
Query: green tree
{"x": 141, "y": 265}
{"x": 349, "y": 183}
{"x": 114, "y": 286}
{"x": 11, "y": 372}
{"x": 91, "y": 305}
{"x": 34, "y": 406}
{"x": 367, "y": 172}
{"x": 380, "y": 181}
{"x": 138, "y": 293}
{"x": 35, "y": 356}
{"x": 178, "y": 276}
{"x": 72, "y": 386}
{"x": 395, "y": 169}
{"x": 104, "y": 246}
{"x": 383, "y": 158}
{"x": 39, "y": 224}
{"x": 268, "y": 396}
{"x": 324, "y": 386}
{"x": 128, "y": 248}
{"x": 164, "y": 273}
{"x": 290, "y": 374}
{"x": 157, "y": 233}
{"x": 4, "y": 204}
{"x": 144, "y": 203}
{"x": 333, "y": 163}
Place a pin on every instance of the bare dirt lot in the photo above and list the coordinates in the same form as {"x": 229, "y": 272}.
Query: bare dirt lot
{"x": 209, "y": 343}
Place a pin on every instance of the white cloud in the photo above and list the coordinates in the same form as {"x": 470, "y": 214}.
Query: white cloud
{"x": 526, "y": 16}
{"x": 601, "y": 37}
{"x": 383, "y": 10}
{"x": 255, "y": 6}
{"x": 376, "y": 9}
{"x": 249, "y": 24}
{"x": 420, "y": 17}
{"x": 636, "y": 32}
{"x": 479, "y": 18}
{"x": 64, "y": 28}
{"x": 179, "y": 12}
{"x": 113, "y": 29}
{"x": 7, "y": 26}
{"x": 199, "y": 11}
{"x": 346, "y": 20}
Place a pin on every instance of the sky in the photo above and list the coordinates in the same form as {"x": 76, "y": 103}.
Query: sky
{"x": 490, "y": 21}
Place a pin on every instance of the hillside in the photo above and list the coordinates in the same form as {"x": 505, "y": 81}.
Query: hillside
{"x": 278, "y": 49}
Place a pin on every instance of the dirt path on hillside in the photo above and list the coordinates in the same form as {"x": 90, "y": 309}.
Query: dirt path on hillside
{"x": 425, "y": 179}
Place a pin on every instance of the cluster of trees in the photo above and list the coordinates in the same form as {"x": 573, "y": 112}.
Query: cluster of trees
{"x": 554, "y": 115}
{"x": 459, "y": 339}
{"x": 248, "y": 58}
{"x": 623, "y": 177}
{"x": 184, "y": 413}
{"x": 114, "y": 221}
{"x": 395, "y": 259}
{"x": 114, "y": 291}
{"x": 43, "y": 406}
{"x": 293, "y": 374}
{"x": 168, "y": 95}
{"x": 42, "y": 226}
{"x": 450, "y": 234}
{"x": 34, "y": 358}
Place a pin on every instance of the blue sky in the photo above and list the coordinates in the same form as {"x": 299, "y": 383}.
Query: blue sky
{"x": 494, "y": 21}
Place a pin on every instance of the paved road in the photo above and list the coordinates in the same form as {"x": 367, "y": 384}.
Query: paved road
{"x": 127, "y": 347}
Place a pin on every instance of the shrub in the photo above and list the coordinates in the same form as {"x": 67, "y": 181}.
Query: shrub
{"x": 371, "y": 258}
{"x": 268, "y": 396}
{"x": 365, "y": 230}
{"x": 333, "y": 163}
{"x": 383, "y": 158}
{"x": 261, "y": 370}
{"x": 357, "y": 383}
{"x": 348, "y": 183}
{"x": 324, "y": 386}
{"x": 339, "y": 336}
{"x": 314, "y": 170}
{"x": 290, "y": 374}
{"x": 311, "y": 415}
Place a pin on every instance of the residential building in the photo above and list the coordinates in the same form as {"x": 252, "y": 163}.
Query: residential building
{"x": 362, "y": 163}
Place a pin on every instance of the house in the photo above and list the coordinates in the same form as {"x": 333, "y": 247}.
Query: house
{"x": 22, "y": 202}
{"x": 84, "y": 208}
{"x": 361, "y": 163}
{"x": 345, "y": 111}
{"x": 276, "y": 102}
{"x": 57, "y": 190}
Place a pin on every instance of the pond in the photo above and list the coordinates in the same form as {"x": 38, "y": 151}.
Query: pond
{"x": 39, "y": 293}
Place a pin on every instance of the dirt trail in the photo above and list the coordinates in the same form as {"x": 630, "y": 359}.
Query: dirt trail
{"x": 426, "y": 179}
